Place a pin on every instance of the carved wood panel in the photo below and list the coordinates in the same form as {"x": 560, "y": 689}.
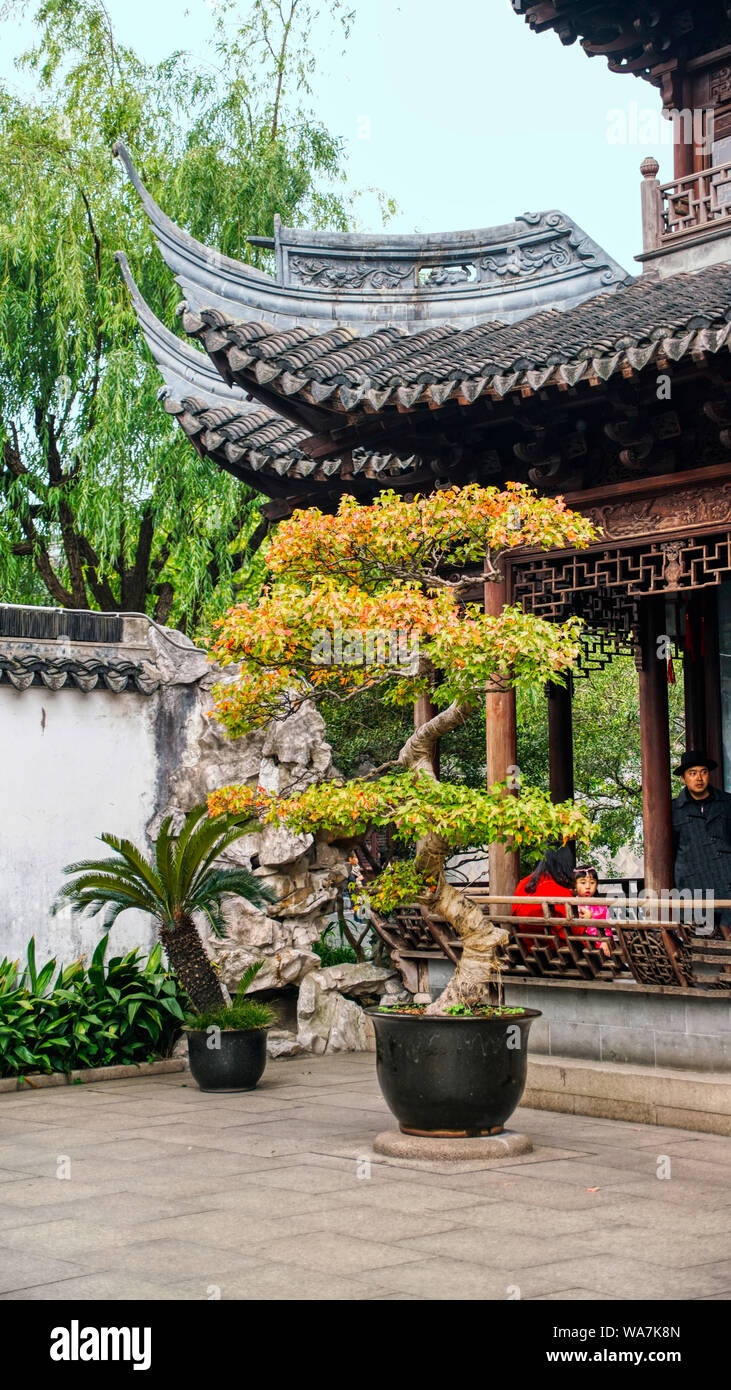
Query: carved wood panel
{"x": 549, "y": 586}
{"x": 687, "y": 508}
{"x": 657, "y": 955}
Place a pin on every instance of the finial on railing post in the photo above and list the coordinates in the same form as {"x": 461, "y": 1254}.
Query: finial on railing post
{"x": 652, "y": 213}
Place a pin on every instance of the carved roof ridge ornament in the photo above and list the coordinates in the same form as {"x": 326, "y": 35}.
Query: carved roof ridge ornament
{"x": 540, "y": 260}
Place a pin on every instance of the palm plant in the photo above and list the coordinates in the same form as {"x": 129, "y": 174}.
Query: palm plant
{"x": 182, "y": 878}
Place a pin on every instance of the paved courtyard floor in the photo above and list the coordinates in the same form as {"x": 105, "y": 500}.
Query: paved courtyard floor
{"x": 276, "y": 1194}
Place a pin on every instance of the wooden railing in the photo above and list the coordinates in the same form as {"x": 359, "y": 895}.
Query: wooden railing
{"x": 653, "y": 941}
{"x": 695, "y": 202}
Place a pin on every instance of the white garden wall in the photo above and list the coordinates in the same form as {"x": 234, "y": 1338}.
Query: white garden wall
{"x": 73, "y": 765}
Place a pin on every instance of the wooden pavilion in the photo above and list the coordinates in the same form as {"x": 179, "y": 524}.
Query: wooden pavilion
{"x": 516, "y": 352}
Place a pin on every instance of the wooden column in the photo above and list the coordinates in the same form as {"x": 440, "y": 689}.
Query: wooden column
{"x": 655, "y": 735}
{"x": 684, "y": 151}
{"x": 502, "y": 751}
{"x": 694, "y": 685}
{"x": 424, "y": 710}
{"x": 711, "y": 665}
{"x": 560, "y": 742}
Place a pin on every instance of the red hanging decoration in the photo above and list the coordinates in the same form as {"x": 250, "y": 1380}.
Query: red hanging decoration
{"x": 671, "y": 671}
{"x": 689, "y": 644}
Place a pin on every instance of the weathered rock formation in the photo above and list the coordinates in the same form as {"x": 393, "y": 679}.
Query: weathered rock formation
{"x": 330, "y": 1013}
{"x": 304, "y": 872}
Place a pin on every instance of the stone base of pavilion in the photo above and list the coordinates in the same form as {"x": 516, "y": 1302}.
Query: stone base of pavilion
{"x": 691, "y": 1100}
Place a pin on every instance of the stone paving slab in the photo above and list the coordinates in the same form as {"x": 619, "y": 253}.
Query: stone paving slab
{"x": 21, "y": 1269}
{"x": 277, "y": 1194}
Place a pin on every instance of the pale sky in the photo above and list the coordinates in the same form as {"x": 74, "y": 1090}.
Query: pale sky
{"x": 457, "y": 111}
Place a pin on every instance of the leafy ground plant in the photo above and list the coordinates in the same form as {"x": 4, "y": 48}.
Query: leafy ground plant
{"x": 331, "y": 953}
{"x": 122, "y": 1011}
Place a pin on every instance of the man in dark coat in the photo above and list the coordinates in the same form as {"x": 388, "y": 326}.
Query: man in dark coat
{"x": 702, "y": 831}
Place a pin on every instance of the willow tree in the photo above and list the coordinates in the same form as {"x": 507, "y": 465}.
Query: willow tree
{"x": 343, "y": 590}
{"x": 103, "y": 504}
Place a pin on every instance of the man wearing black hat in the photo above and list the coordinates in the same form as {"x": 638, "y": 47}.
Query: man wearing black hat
{"x": 702, "y": 830}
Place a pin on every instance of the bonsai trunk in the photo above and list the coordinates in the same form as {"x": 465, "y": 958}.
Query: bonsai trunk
{"x": 187, "y": 957}
{"x": 479, "y": 967}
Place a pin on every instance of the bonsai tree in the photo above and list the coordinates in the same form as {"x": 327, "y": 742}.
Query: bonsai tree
{"x": 181, "y": 879}
{"x": 376, "y": 598}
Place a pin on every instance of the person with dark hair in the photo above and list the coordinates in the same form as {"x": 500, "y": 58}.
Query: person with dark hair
{"x": 553, "y": 877}
{"x": 702, "y": 833}
{"x": 586, "y": 883}
{"x": 558, "y": 865}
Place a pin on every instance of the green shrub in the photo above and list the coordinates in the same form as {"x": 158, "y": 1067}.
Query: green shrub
{"x": 333, "y": 955}
{"x": 241, "y": 1013}
{"x": 112, "y": 1013}
{"x": 245, "y": 1016}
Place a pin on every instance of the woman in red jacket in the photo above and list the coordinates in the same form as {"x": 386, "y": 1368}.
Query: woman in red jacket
{"x": 553, "y": 877}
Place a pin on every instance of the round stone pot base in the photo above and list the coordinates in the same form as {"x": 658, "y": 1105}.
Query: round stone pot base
{"x": 225, "y": 1090}
{"x": 396, "y": 1143}
{"x": 452, "y": 1133}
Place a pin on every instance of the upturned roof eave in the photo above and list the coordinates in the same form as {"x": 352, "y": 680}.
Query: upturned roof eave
{"x": 254, "y": 443}
{"x": 365, "y": 280}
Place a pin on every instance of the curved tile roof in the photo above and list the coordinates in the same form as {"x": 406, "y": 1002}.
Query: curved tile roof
{"x": 311, "y": 381}
{"x": 327, "y": 394}
{"x": 255, "y": 443}
{"x": 647, "y": 320}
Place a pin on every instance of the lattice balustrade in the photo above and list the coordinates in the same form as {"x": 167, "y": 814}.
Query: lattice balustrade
{"x": 653, "y": 952}
{"x": 657, "y": 955}
{"x": 696, "y": 201}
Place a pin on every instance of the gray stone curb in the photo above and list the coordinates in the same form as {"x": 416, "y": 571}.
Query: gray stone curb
{"x": 88, "y": 1074}
{"x": 691, "y": 1100}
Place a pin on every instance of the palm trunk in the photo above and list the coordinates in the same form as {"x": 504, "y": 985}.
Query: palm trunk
{"x": 479, "y": 967}
{"x": 188, "y": 959}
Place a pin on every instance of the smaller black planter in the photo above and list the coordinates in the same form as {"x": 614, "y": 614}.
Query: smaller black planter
{"x": 236, "y": 1065}
{"x": 456, "y": 1076}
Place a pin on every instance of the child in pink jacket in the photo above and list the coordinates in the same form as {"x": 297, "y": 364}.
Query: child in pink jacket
{"x": 586, "y": 882}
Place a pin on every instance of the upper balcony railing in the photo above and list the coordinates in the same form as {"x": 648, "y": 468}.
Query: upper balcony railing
{"x": 696, "y": 201}
{"x": 684, "y": 207}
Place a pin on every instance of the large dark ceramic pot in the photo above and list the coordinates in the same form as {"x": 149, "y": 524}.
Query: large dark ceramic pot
{"x": 236, "y": 1065}
{"x": 452, "y": 1076}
